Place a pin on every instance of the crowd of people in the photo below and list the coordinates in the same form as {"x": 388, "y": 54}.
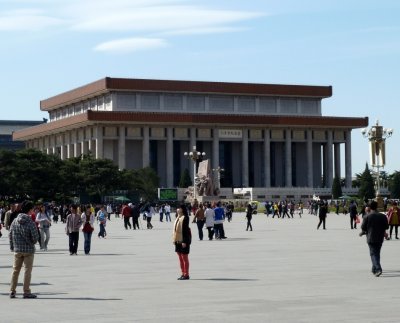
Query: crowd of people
{"x": 30, "y": 224}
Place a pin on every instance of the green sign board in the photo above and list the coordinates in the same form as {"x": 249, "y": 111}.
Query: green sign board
{"x": 168, "y": 194}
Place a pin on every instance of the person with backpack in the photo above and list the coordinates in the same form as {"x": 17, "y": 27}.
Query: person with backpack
{"x": 102, "y": 218}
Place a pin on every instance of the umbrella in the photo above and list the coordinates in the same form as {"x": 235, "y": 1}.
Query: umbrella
{"x": 345, "y": 197}
{"x": 122, "y": 199}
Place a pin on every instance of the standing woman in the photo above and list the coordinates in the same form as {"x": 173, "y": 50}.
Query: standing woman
{"x": 87, "y": 228}
{"x": 44, "y": 221}
{"x": 182, "y": 239}
{"x": 199, "y": 218}
{"x": 249, "y": 216}
{"x": 394, "y": 220}
{"x": 72, "y": 227}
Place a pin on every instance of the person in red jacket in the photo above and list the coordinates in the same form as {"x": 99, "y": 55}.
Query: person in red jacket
{"x": 394, "y": 220}
{"x": 126, "y": 214}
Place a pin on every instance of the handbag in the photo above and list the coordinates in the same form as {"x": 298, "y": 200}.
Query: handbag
{"x": 357, "y": 219}
{"x": 87, "y": 228}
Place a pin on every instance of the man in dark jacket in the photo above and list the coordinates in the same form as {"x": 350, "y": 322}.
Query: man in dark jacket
{"x": 23, "y": 237}
{"x": 374, "y": 226}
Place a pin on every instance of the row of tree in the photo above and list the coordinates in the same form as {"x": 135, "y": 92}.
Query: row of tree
{"x": 32, "y": 174}
{"x": 365, "y": 183}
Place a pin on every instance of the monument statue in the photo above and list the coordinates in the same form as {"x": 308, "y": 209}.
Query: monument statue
{"x": 204, "y": 185}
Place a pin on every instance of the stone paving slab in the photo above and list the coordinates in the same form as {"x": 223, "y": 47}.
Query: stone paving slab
{"x": 283, "y": 271}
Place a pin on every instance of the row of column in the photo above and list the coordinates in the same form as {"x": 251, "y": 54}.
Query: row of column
{"x": 77, "y": 148}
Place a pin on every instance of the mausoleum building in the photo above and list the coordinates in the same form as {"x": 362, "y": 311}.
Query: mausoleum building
{"x": 262, "y": 135}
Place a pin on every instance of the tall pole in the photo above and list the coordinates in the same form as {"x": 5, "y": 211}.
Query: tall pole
{"x": 194, "y": 155}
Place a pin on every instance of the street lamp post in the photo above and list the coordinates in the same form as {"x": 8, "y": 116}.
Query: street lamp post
{"x": 194, "y": 155}
{"x": 377, "y": 136}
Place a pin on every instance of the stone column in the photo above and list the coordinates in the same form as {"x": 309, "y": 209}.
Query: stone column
{"x": 192, "y": 143}
{"x": 245, "y": 158}
{"x": 288, "y": 158}
{"x": 84, "y": 147}
{"x": 337, "y": 159}
{"x": 146, "y": 147}
{"x": 310, "y": 167}
{"x": 329, "y": 162}
{"x": 63, "y": 151}
{"x": 267, "y": 158}
{"x": 99, "y": 142}
{"x": 347, "y": 152}
{"x": 76, "y": 149}
{"x": 215, "y": 149}
{"x": 121, "y": 149}
{"x": 170, "y": 157}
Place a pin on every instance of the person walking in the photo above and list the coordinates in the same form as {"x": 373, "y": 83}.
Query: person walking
{"x": 323, "y": 211}
{"x": 149, "y": 216}
{"x": 126, "y": 214}
{"x": 72, "y": 227}
{"x": 44, "y": 221}
{"x": 353, "y": 214}
{"x": 219, "y": 218}
{"x": 87, "y": 218}
{"x": 374, "y": 226}
{"x": 102, "y": 219}
{"x": 199, "y": 219}
{"x": 136, "y": 215}
{"x": 249, "y": 216}
{"x": 23, "y": 237}
{"x": 209, "y": 216}
{"x": 182, "y": 239}
{"x": 167, "y": 212}
{"x": 393, "y": 216}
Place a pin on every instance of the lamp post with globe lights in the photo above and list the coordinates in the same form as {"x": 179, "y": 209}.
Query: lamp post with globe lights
{"x": 377, "y": 136}
{"x": 194, "y": 155}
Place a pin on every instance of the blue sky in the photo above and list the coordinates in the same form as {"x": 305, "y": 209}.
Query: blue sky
{"x": 51, "y": 46}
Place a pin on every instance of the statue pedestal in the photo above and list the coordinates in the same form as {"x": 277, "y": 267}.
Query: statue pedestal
{"x": 379, "y": 200}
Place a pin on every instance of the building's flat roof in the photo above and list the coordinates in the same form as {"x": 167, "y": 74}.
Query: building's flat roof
{"x": 188, "y": 119}
{"x": 122, "y": 84}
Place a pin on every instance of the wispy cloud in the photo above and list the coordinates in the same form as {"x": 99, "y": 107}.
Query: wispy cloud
{"x": 143, "y": 19}
{"x": 129, "y": 45}
{"x": 27, "y": 20}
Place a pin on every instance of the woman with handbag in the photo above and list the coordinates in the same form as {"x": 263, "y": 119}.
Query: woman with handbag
{"x": 87, "y": 228}
{"x": 182, "y": 238}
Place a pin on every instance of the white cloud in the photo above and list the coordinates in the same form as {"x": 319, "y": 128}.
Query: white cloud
{"x": 161, "y": 19}
{"x": 27, "y": 20}
{"x": 129, "y": 45}
{"x": 141, "y": 18}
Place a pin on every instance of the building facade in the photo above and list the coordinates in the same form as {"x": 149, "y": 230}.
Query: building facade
{"x": 262, "y": 135}
{"x": 7, "y": 127}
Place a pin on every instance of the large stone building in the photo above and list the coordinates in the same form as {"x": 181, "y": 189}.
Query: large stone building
{"x": 263, "y": 135}
{"x": 7, "y": 127}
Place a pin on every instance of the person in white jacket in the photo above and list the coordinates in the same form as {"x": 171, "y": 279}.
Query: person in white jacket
{"x": 209, "y": 215}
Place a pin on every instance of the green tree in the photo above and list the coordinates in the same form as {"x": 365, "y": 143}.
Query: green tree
{"x": 394, "y": 185}
{"x": 367, "y": 190}
{"x": 336, "y": 188}
{"x": 99, "y": 176}
{"x": 145, "y": 182}
{"x": 185, "y": 180}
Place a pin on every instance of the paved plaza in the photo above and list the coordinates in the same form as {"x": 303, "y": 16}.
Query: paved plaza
{"x": 283, "y": 271}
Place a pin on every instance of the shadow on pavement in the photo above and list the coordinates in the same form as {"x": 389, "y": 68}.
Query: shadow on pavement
{"x": 227, "y": 279}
